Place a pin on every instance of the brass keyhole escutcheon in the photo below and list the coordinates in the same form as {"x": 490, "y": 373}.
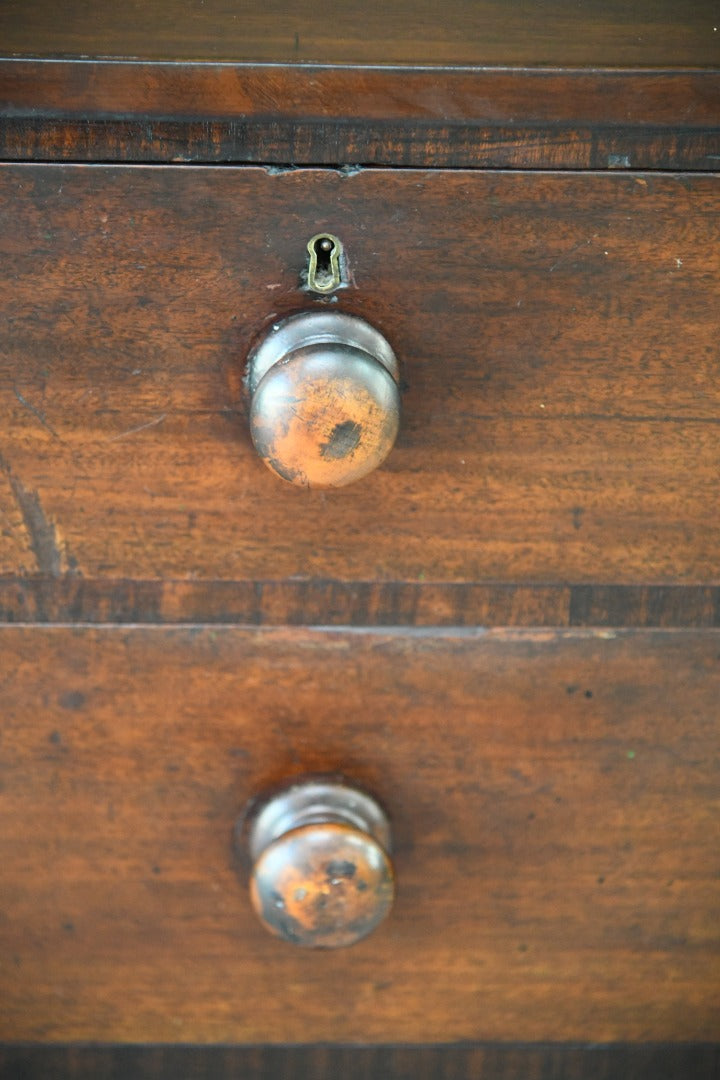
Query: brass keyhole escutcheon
{"x": 325, "y": 253}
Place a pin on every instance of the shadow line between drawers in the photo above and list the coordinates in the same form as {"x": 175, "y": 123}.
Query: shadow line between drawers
{"x": 643, "y": 1061}
{"x": 71, "y": 598}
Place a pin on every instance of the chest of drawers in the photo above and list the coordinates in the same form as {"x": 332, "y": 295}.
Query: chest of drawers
{"x": 508, "y": 632}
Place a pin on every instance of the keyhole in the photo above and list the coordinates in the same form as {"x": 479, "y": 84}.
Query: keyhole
{"x": 324, "y": 248}
{"x": 324, "y": 266}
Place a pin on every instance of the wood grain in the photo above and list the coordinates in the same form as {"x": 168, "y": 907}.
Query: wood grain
{"x": 559, "y": 341}
{"x": 99, "y": 110}
{"x": 486, "y": 1062}
{"x": 596, "y": 33}
{"x": 553, "y": 799}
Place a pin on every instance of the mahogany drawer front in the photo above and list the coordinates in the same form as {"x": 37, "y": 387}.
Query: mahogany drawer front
{"x": 557, "y": 334}
{"x": 553, "y": 798}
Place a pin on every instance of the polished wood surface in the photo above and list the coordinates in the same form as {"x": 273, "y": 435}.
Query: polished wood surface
{"x": 552, "y": 792}
{"x": 215, "y": 92}
{"x": 480, "y": 1062}
{"x": 557, "y": 335}
{"x": 574, "y": 118}
{"x": 553, "y": 799}
{"x": 595, "y": 33}
{"x": 490, "y": 83}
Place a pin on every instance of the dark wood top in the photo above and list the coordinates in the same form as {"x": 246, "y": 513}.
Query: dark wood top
{"x": 478, "y": 83}
{"x": 590, "y": 33}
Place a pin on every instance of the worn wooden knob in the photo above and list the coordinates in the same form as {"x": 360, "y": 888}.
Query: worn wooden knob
{"x": 325, "y": 402}
{"x": 321, "y": 871}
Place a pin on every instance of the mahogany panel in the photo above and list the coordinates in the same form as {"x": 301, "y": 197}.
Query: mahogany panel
{"x": 559, "y": 341}
{"x": 682, "y": 101}
{"x": 337, "y": 142}
{"x": 554, "y": 801}
{"x": 596, "y": 33}
{"x": 99, "y": 110}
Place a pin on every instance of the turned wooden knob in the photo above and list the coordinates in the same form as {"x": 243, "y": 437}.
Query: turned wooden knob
{"x": 321, "y": 872}
{"x": 325, "y": 403}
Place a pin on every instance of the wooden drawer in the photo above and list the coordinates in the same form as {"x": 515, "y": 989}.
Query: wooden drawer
{"x": 553, "y": 797}
{"x": 558, "y": 339}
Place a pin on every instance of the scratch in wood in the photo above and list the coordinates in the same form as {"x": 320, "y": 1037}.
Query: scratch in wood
{"x": 140, "y": 427}
{"x": 568, "y": 254}
{"x": 36, "y": 413}
{"x": 48, "y": 552}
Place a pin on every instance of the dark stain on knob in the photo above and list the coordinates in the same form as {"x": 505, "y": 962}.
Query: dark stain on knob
{"x": 344, "y": 438}
{"x": 322, "y": 886}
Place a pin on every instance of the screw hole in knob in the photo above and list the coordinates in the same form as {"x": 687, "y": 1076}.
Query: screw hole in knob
{"x": 324, "y": 398}
{"x": 321, "y": 871}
